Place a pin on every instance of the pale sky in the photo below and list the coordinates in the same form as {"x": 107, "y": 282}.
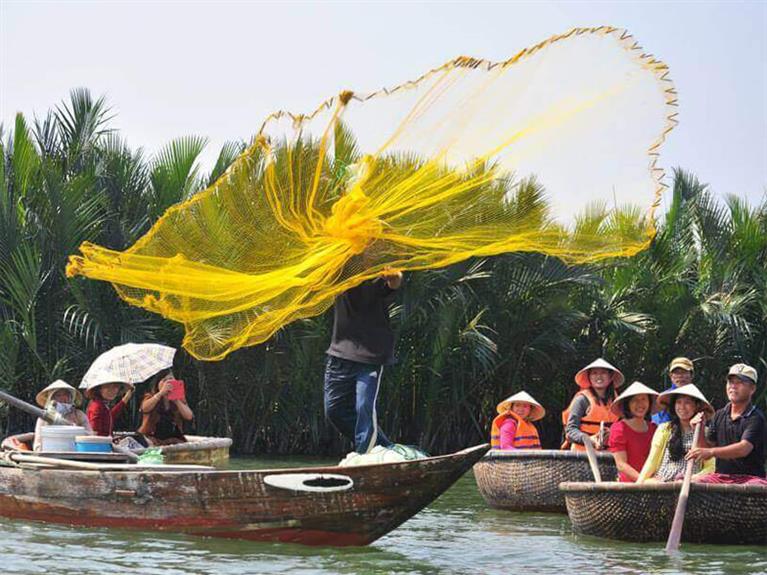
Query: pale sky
{"x": 216, "y": 69}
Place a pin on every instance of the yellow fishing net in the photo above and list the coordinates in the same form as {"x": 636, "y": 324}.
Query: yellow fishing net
{"x": 437, "y": 170}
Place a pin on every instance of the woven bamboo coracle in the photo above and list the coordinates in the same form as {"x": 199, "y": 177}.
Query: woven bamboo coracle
{"x": 528, "y": 480}
{"x": 724, "y": 514}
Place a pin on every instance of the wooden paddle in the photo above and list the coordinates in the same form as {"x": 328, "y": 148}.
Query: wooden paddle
{"x": 592, "y": 455}
{"x": 53, "y": 418}
{"x": 675, "y": 535}
{"x": 601, "y": 434}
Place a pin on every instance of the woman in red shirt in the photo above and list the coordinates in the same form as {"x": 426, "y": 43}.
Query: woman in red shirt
{"x": 631, "y": 437}
{"x": 100, "y": 415}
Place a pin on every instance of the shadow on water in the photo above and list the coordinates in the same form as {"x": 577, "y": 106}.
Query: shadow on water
{"x": 457, "y": 534}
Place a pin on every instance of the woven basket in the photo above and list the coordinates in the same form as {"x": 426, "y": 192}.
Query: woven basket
{"x": 727, "y": 514}
{"x": 528, "y": 480}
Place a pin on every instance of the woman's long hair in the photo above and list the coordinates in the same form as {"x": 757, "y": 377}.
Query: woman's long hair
{"x": 675, "y": 446}
{"x": 153, "y": 382}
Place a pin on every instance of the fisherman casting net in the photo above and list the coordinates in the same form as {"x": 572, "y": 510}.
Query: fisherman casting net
{"x": 552, "y": 151}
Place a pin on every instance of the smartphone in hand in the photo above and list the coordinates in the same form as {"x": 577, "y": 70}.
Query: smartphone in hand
{"x": 178, "y": 391}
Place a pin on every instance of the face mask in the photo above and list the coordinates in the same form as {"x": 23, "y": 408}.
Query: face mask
{"x": 64, "y": 408}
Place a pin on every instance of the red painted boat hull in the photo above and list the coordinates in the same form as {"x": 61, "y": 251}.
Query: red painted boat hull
{"x": 236, "y": 504}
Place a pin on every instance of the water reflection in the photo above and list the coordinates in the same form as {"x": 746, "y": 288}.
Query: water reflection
{"x": 457, "y": 535}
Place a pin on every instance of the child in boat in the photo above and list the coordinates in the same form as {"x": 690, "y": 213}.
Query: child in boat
{"x": 589, "y": 412}
{"x": 513, "y": 427}
{"x": 100, "y": 415}
{"x": 631, "y": 437}
{"x": 164, "y": 410}
{"x": 61, "y": 398}
{"x": 672, "y": 440}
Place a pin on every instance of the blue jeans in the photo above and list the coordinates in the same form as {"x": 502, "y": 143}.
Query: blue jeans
{"x": 351, "y": 389}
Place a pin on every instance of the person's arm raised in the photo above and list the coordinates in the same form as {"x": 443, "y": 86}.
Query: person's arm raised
{"x": 393, "y": 278}
{"x": 150, "y": 403}
{"x": 184, "y": 410}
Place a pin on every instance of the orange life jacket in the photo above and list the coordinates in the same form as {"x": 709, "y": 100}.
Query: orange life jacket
{"x": 595, "y": 415}
{"x": 526, "y": 436}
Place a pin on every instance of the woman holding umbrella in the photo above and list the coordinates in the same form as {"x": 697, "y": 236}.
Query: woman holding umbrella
{"x": 100, "y": 416}
{"x": 120, "y": 367}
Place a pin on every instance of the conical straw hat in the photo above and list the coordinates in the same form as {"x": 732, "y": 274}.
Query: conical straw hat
{"x": 636, "y": 388}
{"x": 664, "y": 399}
{"x": 44, "y": 395}
{"x": 537, "y": 412}
{"x": 582, "y": 377}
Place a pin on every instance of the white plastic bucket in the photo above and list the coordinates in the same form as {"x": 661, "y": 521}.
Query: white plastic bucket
{"x": 59, "y": 437}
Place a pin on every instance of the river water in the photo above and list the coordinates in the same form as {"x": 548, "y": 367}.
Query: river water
{"x": 457, "y": 534}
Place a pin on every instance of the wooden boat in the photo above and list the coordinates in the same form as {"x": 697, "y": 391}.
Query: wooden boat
{"x": 197, "y": 450}
{"x": 726, "y": 514}
{"x": 528, "y": 480}
{"x": 336, "y": 506}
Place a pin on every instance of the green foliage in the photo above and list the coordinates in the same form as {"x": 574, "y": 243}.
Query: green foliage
{"x": 468, "y": 335}
{"x": 174, "y": 174}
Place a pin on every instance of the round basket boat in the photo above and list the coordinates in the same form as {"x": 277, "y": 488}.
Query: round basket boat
{"x": 726, "y": 514}
{"x": 528, "y": 480}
